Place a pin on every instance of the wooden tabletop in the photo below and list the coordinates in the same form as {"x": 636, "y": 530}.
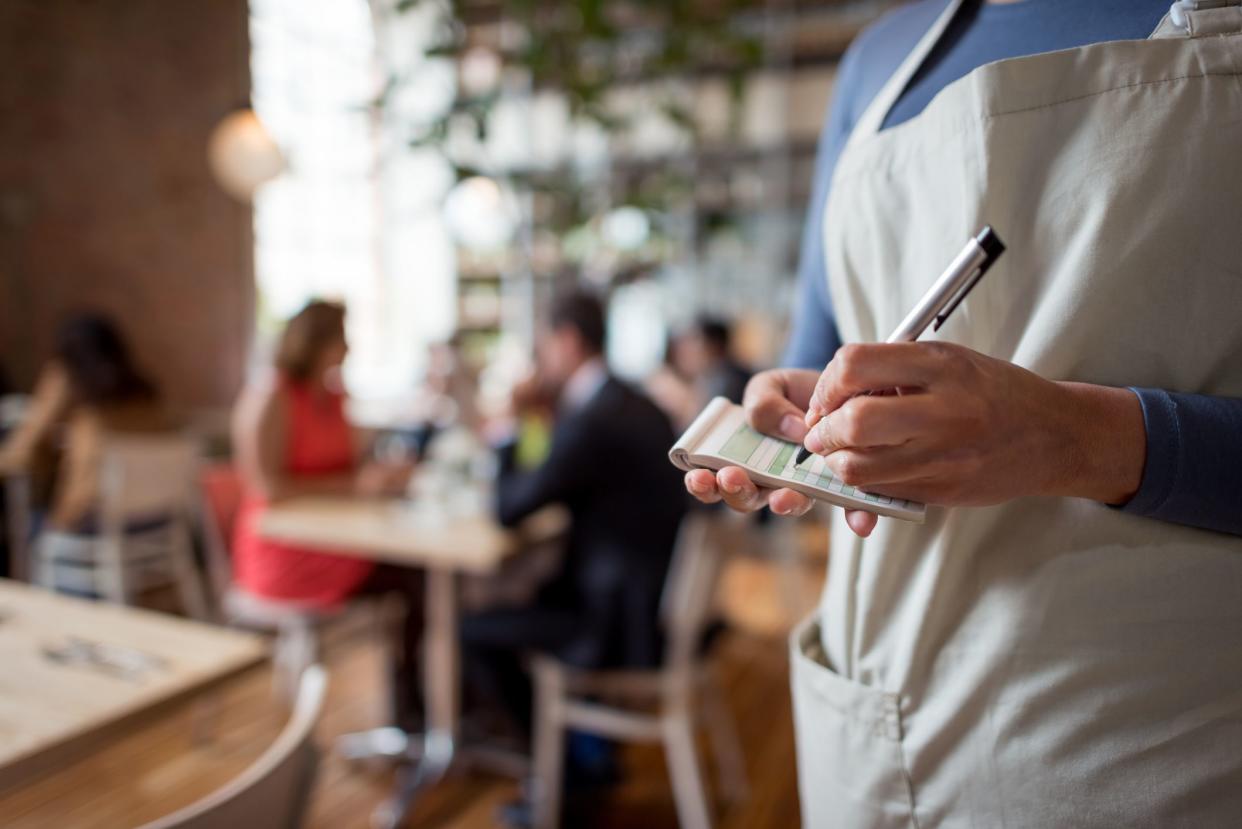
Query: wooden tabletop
{"x": 72, "y": 670}
{"x": 418, "y": 533}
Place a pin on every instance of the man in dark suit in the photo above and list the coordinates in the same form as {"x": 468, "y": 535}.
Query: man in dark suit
{"x": 707, "y": 357}
{"x": 608, "y": 464}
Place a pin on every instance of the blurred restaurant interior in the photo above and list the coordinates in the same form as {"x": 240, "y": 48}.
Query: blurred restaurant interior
{"x": 197, "y": 199}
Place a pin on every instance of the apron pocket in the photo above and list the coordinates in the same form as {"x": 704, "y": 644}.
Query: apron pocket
{"x": 851, "y": 771}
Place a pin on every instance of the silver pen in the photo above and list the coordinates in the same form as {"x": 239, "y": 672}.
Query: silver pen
{"x": 945, "y": 294}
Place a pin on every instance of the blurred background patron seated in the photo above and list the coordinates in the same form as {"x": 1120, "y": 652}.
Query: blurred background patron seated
{"x": 291, "y": 438}
{"x": 90, "y": 389}
{"x": 606, "y": 462}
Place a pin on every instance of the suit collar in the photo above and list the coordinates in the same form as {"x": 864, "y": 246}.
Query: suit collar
{"x": 584, "y": 384}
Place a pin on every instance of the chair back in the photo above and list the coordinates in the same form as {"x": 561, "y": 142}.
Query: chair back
{"x": 220, "y": 488}
{"x": 275, "y": 790}
{"x": 146, "y": 475}
{"x": 690, "y": 589}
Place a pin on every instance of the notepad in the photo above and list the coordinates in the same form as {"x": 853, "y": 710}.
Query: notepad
{"x": 720, "y": 437}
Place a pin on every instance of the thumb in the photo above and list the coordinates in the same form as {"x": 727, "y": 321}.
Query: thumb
{"x": 777, "y": 416}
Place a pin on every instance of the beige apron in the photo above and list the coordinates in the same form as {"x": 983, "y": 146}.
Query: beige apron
{"x": 1048, "y": 662}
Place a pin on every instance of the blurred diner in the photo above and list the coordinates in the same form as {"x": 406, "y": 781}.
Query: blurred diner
{"x": 705, "y": 353}
{"x": 292, "y": 437}
{"x": 89, "y": 390}
{"x": 605, "y": 461}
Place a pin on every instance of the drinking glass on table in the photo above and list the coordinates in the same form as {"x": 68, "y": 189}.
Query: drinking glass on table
{"x": 389, "y": 469}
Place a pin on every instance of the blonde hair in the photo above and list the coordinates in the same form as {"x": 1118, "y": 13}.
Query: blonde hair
{"x": 306, "y": 335}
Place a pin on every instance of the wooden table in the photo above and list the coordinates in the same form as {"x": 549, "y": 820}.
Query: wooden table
{"x": 445, "y": 541}
{"x": 51, "y": 709}
{"x": 406, "y": 533}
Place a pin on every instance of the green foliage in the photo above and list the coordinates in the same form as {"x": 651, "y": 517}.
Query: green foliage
{"x": 583, "y": 49}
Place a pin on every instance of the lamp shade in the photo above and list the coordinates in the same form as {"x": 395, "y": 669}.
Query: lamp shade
{"x": 242, "y": 154}
{"x": 480, "y": 214}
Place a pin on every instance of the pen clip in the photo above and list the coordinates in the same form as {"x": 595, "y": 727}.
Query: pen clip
{"x": 961, "y": 295}
{"x": 993, "y": 248}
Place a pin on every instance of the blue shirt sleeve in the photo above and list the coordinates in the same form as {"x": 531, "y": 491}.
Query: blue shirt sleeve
{"x": 1193, "y": 473}
{"x": 814, "y": 338}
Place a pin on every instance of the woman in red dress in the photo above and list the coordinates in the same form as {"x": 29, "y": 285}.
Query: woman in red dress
{"x": 291, "y": 437}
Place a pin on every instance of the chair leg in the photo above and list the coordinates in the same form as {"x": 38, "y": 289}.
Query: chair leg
{"x": 684, "y": 769}
{"x": 296, "y": 649}
{"x": 549, "y": 744}
{"x": 44, "y": 570}
{"x": 17, "y": 513}
{"x": 722, "y": 731}
{"x": 110, "y": 570}
{"x": 281, "y": 658}
{"x": 189, "y": 580}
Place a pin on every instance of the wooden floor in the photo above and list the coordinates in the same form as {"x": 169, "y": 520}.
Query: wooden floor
{"x": 190, "y": 751}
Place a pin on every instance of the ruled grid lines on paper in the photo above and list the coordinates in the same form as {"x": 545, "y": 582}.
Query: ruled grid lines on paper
{"x": 776, "y": 457}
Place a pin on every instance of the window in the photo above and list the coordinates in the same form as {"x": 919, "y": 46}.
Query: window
{"x": 356, "y": 215}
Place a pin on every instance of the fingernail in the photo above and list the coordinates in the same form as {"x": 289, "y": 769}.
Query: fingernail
{"x": 731, "y": 488}
{"x": 814, "y": 442}
{"x": 779, "y": 510}
{"x": 693, "y": 484}
{"x": 791, "y": 427}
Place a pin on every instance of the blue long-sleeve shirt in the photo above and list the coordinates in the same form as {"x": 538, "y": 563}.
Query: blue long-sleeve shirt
{"x": 1193, "y": 471}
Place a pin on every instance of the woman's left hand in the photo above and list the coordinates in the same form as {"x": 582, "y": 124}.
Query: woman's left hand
{"x": 970, "y": 430}
{"x": 383, "y": 478}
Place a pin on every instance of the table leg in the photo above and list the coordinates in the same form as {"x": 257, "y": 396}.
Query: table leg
{"x": 17, "y": 516}
{"x": 437, "y": 748}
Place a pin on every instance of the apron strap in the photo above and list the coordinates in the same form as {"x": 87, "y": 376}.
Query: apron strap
{"x": 873, "y": 117}
{"x": 1200, "y": 18}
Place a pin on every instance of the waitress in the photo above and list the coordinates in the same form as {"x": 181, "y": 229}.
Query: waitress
{"x": 1061, "y": 643}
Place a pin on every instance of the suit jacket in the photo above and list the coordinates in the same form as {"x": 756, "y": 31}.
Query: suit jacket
{"x": 608, "y": 464}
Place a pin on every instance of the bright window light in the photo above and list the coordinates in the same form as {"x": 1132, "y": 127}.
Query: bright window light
{"x": 355, "y": 217}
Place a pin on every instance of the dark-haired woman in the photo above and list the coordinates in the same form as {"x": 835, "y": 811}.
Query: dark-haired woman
{"x": 292, "y": 437}
{"x": 89, "y": 389}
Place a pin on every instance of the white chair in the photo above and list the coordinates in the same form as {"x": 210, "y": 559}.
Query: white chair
{"x": 619, "y": 704}
{"x": 142, "y": 539}
{"x": 275, "y": 790}
{"x": 296, "y": 625}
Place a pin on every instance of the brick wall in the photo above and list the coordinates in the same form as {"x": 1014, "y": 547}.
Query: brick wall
{"x": 105, "y": 196}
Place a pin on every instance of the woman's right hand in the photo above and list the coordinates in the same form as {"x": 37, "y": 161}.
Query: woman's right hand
{"x": 775, "y": 404}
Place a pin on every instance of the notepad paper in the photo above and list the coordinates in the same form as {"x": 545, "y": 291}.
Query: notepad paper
{"x": 720, "y": 437}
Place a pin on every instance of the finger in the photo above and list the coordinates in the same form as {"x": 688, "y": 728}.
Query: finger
{"x": 863, "y": 367}
{"x": 769, "y": 409}
{"x": 788, "y": 502}
{"x": 861, "y": 521}
{"x": 922, "y": 490}
{"x": 866, "y": 422}
{"x": 701, "y": 483}
{"x": 885, "y": 465}
{"x": 739, "y": 491}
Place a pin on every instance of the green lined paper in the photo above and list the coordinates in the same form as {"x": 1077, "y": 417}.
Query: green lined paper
{"x": 742, "y": 444}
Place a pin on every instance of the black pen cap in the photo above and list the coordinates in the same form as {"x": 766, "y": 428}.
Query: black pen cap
{"x": 990, "y": 242}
